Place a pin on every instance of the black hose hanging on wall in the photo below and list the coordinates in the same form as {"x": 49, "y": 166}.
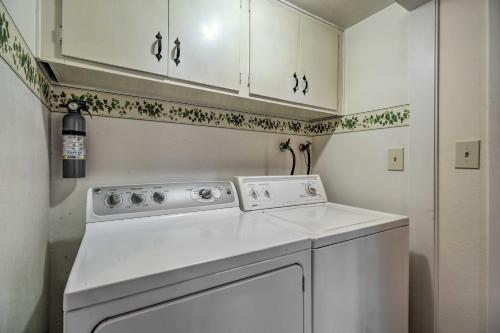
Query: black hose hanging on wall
{"x": 286, "y": 146}
{"x": 293, "y": 161}
{"x": 308, "y": 161}
{"x": 305, "y": 148}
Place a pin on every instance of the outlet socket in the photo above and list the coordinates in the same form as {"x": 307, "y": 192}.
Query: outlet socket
{"x": 467, "y": 154}
{"x": 395, "y": 159}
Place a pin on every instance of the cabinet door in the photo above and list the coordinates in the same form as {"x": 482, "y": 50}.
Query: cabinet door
{"x": 271, "y": 302}
{"x": 116, "y": 32}
{"x": 274, "y": 49}
{"x": 319, "y": 61}
{"x": 209, "y": 37}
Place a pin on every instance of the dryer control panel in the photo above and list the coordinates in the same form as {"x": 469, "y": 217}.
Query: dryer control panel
{"x": 279, "y": 191}
{"x": 117, "y": 202}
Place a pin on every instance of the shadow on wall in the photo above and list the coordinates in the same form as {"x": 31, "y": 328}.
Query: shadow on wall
{"x": 62, "y": 256}
{"x": 421, "y": 281}
{"x": 319, "y": 145}
{"x": 64, "y": 188}
{"x": 38, "y": 317}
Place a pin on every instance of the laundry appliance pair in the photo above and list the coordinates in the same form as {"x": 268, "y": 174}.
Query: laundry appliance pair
{"x": 184, "y": 258}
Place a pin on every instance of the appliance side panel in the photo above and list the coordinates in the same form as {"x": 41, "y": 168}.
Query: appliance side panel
{"x": 361, "y": 285}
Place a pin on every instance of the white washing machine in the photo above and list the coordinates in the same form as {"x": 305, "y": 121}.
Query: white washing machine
{"x": 360, "y": 257}
{"x": 183, "y": 258}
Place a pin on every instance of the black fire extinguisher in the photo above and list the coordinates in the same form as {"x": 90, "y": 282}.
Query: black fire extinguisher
{"x": 74, "y": 140}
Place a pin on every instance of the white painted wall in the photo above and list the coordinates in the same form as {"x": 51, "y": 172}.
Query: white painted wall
{"x": 24, "y": 206}
{"x": 494, "y": 166}
{"x": 462, "y": 193}
{"x": 421, "y": 164}
{"x": 129, "y": 151}
{"x": 376, "y": 61}
{"x": 353, "y": 167}
{"x": 24, "y": 14}
{"x": 390, "y": 61}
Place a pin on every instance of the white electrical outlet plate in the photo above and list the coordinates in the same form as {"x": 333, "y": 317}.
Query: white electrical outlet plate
{"x": 395, "y": 159}
{"x": 467, "y": 154}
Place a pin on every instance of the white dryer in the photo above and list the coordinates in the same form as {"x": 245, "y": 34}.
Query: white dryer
{"x": 360, "y": 257}
{"x": 183, "y": 258}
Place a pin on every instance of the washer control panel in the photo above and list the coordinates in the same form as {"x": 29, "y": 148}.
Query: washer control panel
{"x": 279, "y": 191}
{"x": 161, "y": 198}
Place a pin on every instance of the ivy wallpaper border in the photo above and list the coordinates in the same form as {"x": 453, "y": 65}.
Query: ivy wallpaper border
{"x": 17, "y": 54}
{"x": 396, "y": 116}
{"x": 131, "y": 107}
{"x": 113, "y": 105}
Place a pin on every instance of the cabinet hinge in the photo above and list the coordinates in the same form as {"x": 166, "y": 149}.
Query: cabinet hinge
{"x": 240, "y": 78}
{"x": 303, "y": 283}
{"x": 60, "y": 34}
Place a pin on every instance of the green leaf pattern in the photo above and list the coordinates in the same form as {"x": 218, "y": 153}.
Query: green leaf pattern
{"x": 387, "y": 118}
{"x": 124, "y": 106}
{"x": 16, "y": 53}
{"x": 114, "y": 105}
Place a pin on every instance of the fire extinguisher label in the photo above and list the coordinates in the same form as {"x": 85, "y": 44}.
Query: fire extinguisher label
{"x": 73, "y": 147}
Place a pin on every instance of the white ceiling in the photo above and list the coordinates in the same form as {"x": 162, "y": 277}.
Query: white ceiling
{"x": 411, "y": 4}
{"x": 342, "y": 13}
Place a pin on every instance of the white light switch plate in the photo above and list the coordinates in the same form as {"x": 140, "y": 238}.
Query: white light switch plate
{"x": 467, "y": 154}
{"x": 395, "y": 159}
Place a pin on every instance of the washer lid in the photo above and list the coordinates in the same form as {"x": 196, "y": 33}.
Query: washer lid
{"x": 124, "y": 257}
{"x": 329, "y": 223}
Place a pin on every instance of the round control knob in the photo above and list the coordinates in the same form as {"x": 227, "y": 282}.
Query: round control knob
{"x": 205, "y": 193}
{"x": 267, "y": 193}
{"x": 136, "y": 199}
{"x": 311, "y": 190}
{"x": 254, "y": 194}
{"x": 113, "y": 200}
{"x": 158, "y": 197}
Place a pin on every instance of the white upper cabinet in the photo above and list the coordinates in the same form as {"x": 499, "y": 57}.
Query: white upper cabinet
{"x": 204, "y": 42}
{"x": 197, "y": 51}
{"x": 274, "y": 50}
{"x": 319, "y": 62}
{"x": 125, "y": 33}
{"x": 293, "y": 56}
